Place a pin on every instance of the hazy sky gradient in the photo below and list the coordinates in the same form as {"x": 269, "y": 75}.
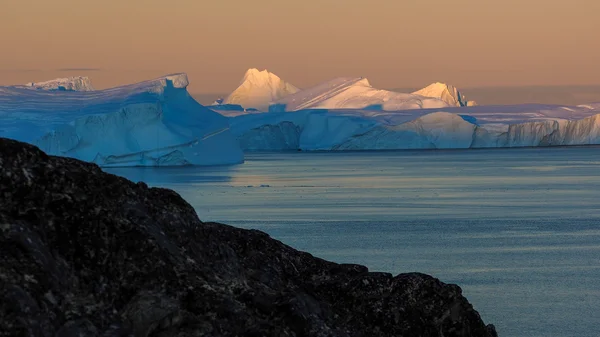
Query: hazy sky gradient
{"x": 395, "y": 43}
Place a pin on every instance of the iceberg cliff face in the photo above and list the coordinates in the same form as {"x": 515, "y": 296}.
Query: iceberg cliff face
{"x": 438, "y": 130}
{"x": 446, "y": 93}
{"x": 457, "y": 127}
{"x": 77, "y": 83}
{"x": 258, "y": 89}
{"x": 353, "y": 93}
{"x": 152, "y": 123}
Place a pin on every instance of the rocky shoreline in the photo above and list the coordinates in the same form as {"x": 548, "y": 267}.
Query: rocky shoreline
{"x": 86, "y": 253}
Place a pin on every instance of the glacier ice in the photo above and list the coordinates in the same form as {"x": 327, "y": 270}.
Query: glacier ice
{"x": 449, "y": 127}
{"x": 353, "y": 93}
{"x": 157, "y": 123}
{"x": 75, "y": 83}
{"x": 264, "y": 91}
{"x": 446, "y": 93}
{"x": 152, "y": 123}
{"x": 258, "y": 89}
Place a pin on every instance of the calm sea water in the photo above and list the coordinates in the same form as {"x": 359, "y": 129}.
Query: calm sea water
{"x": 517, "y": 229}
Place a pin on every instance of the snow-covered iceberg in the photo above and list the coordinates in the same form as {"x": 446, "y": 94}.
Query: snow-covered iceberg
{"x": 75, "y": 83}
{"x": 353, "y": 93}
{"x": 264, "y": 91}
{"x": 446, "y": 93}
{"x": 451, "y": 127}
{"x": 258, "y": 89}
{"x": 152, "y": 123}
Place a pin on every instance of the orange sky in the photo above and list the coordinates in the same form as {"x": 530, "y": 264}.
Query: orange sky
{"x": 395, "y": 43}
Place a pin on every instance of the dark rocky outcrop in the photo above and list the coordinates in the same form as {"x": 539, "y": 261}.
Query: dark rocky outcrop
{"x": 85, "y": 253}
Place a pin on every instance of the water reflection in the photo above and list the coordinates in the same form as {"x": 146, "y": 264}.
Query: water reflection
{"x": 164, "y": 176}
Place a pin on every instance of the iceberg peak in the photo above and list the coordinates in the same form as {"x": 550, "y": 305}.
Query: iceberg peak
{"x": 178, "y": 80}
{"x": 258, "y": 88}
{"x": 447, "y": 93}
{"x": 364, "y": 82}
{"x": 254, "y": 73}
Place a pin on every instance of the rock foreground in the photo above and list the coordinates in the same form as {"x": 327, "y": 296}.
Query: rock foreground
{"x": 86, "y": 253}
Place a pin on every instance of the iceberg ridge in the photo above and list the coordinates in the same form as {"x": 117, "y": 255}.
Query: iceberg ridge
{"x": 76, "y": 83}
{"x": 151, "y": 123}
{"x": 353, "y": 93}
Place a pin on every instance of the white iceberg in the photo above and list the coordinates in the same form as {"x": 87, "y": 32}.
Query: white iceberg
{"x": 446, "y": 93}
{"x": 152, "y": 123}
{"x": 443, "y": 128}
{"x": 76, "y": 83}
{"x": 353, "y": 93}
{"x": 258, "y": 89}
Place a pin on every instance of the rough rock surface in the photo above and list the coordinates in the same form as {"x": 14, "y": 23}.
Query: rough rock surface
{"x": 85, "y": 253}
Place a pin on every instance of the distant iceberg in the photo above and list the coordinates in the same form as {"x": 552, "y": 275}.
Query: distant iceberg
{"x": 353, "y": 93}
{"x": 446, "y": 93}
{"x": 442, "y": 128}
{"x": 258, "y": 89}
{"x": 76, "y": 83}
{"x": 152, "y": 123}
{"x": 265, "y": 91}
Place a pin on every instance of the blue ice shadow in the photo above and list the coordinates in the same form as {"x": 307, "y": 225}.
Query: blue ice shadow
{"x": 469, "y": 119}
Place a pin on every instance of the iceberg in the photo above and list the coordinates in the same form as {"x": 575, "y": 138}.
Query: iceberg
{"x": 442, "y": 128}
{"x": 353, "y": 93}
{"x": 446, "y": 93}
{"x": 265, "y": 91}
{"x": 258, "y": 89}
{"x": 76, "y": 83}
{"x": 152, "y": 123}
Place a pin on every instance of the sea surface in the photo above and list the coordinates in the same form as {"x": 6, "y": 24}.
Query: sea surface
{"x": 517, "y": 229}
